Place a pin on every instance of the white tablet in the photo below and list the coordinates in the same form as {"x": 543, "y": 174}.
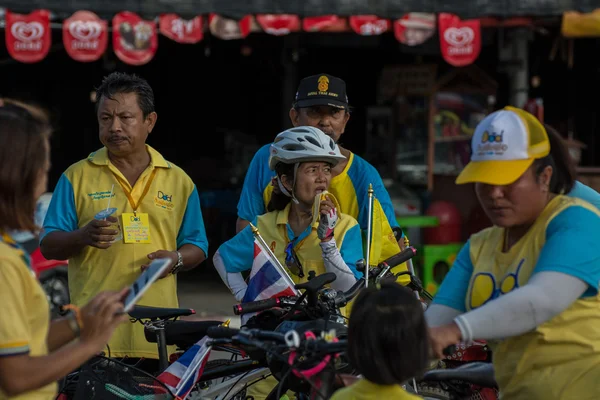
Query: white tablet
{"x": 147, "y": 278}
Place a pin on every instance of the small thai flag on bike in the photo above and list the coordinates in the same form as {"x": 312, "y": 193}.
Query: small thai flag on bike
{"x": 265, "y": 280}
{"x": 185, "y": 372}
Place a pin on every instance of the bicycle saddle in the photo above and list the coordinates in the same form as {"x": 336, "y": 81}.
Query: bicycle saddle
{"x": 145, "y": 312}
{"x": 477, "y": 373}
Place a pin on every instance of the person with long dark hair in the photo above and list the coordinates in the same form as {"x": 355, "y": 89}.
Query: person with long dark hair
{"x": 35, "y": 352}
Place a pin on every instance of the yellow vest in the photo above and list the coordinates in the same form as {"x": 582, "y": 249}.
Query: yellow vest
{"x": 560, "y": 359}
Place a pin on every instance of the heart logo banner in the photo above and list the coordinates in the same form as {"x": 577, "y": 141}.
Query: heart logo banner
{"x": 28, "y": 37}
{"x": 85, "y": 36}
{"x": 460, "y": 41}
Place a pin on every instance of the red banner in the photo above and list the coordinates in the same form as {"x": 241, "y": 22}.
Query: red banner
{"x": 135, "y": 40}
{"x": 181, "y": 30}
{"x": 460, "y": 41}
{"x": 278, "y": 25}
{"x": 414, "y": 29}
{"x": 28, "y": 36}
{"x": 229, "y": 29}
{"x": 325, "y": 23}
{"x": 369, "y": 25}
{"x": 85, "y": 36}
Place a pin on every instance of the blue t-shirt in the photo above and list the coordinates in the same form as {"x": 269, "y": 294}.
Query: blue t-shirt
{"x": 586, "y": 193}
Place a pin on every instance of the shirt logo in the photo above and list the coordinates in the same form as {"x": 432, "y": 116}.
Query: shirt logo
{"x": 101, "y": 195}
{"x": 164, "y": 200}
{"x": 485, "y": 287}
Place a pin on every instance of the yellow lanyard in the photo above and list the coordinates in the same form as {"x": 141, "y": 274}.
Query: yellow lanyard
{"x": 135, "y": 205}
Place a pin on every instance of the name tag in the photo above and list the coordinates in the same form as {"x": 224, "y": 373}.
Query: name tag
{"x": 136, "y": 228}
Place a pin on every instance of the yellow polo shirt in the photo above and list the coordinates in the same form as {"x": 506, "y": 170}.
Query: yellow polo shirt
{"x": 173, "y": 207}
{"x": 365, "y": 390}
{"x": 24, "y": 313}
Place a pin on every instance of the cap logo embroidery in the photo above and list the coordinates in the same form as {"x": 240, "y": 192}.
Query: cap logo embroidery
{"x": 323, "y": 85}
{"x": 492, "y": 143}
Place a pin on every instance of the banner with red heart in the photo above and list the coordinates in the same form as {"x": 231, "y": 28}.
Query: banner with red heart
{"x": 278, "y": 25}
{"x": 460, "y": 41}
{"x": 85, "y": 36}
{"x": 28, "y": 37}
{"x": 181, "y": 30}
{"x": 369, "y": 25}
{"x": 135, "y": 40}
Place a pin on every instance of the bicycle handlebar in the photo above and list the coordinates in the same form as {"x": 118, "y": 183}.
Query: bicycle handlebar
{"x": 289, "y": 340}
{"x": 341, "y": 298}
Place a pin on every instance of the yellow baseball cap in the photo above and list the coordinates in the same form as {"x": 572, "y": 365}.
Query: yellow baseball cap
{"x": 504, "y": 146}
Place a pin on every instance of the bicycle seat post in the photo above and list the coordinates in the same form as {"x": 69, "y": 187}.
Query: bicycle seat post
{"x": 158, "y": 327}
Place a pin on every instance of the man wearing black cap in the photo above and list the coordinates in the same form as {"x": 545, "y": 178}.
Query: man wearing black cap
{"x": 321, "y": 101}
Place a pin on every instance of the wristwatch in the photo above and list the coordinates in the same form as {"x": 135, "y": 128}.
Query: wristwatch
{"x": 179, "y": 264}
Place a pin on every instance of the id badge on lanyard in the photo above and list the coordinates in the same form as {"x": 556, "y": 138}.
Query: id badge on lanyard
{"x": 136, "y": 225}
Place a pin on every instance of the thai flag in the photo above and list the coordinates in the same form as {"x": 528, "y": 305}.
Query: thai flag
{"x": 185, "y": 372}
{"x": 265, "y": 280}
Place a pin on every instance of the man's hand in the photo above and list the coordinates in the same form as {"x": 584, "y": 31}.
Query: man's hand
{"x": 97, "y": 234}
{"x": 163, "y": 254}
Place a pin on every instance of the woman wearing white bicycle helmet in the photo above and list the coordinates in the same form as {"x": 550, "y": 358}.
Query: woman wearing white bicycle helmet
{"x": 302, "y": 227}
{"x": 300, "y": 239}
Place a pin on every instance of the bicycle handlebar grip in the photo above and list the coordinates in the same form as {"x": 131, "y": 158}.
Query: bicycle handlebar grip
{"x": 255, "y": 306}
{"x": 399, "y": 258}
{"x": 221, "y": 332}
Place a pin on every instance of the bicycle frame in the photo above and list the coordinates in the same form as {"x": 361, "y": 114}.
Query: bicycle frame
{"x": 224, "y": 390}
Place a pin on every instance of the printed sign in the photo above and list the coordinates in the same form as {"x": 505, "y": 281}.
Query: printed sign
{"x": 369, "y": 25}
{"x": 85, "y": 36}
{"x": 181, "y": 30}
{"x": 460, "y": 41}
{"x": 414, "y": 29}
{"x": 135, "y": 40}
{"x": 278, "y": 25}
{"x": 28, "y": 36}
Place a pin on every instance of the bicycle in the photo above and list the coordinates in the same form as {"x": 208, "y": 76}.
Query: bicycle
{"x": 316, "y": 310}
{"x": 295, "y": 359}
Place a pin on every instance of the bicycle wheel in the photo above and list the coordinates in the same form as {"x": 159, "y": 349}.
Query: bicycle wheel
{"x": 108, "y": 379}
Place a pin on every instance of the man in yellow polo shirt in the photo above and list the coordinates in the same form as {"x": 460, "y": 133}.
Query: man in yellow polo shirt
{"x": 157, "y": 210}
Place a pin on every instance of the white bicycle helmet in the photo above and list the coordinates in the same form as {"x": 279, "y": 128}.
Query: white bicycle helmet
{"x": 301, "y": 144}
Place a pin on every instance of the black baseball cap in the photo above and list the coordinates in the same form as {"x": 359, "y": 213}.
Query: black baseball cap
{"x": 321, "y": 90}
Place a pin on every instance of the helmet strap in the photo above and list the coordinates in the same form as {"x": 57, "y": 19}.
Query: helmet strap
{"x": 284, "y": 190}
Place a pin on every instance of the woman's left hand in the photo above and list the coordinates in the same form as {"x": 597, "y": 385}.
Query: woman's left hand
{"x": 441, "y": 337}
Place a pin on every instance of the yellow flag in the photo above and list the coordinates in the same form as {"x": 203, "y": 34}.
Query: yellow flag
{"x": 383, "y": 242}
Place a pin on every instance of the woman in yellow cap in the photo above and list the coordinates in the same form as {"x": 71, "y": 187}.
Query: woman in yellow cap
{"x": 529, "y": 284}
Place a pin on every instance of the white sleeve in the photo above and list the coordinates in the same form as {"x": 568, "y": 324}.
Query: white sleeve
{"x": 234, "y": 281}
{"x": 335, "y": 263}
{"x": 438, "y": 315}
{"x": 546, "y": 295}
